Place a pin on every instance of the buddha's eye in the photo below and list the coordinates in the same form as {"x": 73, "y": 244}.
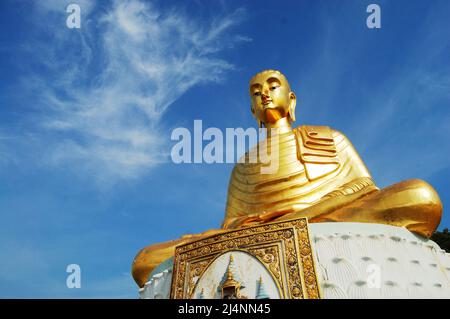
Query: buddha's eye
{"x": 257, "y": 93}
{"x": 273, "y": 87}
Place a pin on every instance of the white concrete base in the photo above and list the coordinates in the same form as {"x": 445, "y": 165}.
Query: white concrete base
{"x": 358, "y": 260}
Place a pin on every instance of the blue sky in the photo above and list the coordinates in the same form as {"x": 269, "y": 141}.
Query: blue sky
{"x": 86, "y": 117}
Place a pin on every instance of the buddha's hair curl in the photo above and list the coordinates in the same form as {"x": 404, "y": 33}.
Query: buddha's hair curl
{"x": 270, "y": 71}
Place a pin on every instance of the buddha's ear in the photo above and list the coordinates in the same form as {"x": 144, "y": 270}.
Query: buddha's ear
{"x": 292, "y": 105}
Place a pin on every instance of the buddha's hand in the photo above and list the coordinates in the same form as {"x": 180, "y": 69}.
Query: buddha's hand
{"x": 192, "y": 237}
{"x": 338, "y": 198}
{"x": 242, "y": 221}
{"x": 255, "y": 219}
{"x": 266, "y": 217}
{"x": 362, "y": 186}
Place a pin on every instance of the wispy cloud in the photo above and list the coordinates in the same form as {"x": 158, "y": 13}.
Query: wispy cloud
{"x": 106, "y": 86}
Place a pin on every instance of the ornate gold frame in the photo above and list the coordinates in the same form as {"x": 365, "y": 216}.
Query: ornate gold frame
{"x": 284, "y": 248}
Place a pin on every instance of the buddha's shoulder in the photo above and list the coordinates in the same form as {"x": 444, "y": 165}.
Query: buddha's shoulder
{"x": 321, "y": 132}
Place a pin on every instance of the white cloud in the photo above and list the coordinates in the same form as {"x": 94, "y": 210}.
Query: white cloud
{"x": 144, "y": 59}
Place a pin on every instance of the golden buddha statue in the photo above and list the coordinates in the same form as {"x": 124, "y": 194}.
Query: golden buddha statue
{"x": 320, "y": 176}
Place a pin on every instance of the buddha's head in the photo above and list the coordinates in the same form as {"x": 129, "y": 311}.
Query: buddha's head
{"x": 271, "y": 98}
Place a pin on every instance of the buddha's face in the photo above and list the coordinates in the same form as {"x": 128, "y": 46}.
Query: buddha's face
{"x": 271, "y": 97}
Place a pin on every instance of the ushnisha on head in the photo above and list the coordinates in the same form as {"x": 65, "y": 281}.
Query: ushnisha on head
{"x": 272, "y": 99}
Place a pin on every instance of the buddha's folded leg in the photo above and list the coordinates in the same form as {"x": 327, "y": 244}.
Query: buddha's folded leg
{"x": 413, "y": 204}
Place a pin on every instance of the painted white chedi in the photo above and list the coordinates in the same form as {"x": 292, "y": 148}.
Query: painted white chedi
{"x": 353, "y": 260}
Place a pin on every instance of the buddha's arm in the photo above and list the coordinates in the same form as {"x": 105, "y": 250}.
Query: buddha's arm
{"x": 355, "y": 183}
{"x": 334, "y": 200}
{"x": 349, "y": 156}
{"x": 258, "y": 218}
